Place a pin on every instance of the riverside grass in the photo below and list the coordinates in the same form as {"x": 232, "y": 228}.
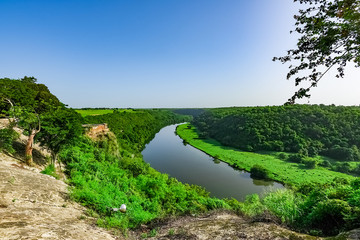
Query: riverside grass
{"x": 291, "y": 174}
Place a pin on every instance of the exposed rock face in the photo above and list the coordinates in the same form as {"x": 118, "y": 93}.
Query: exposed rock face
{"x": 37, "y": 206}
{"x": 222, "y": 226}
{"x": 94, "y": 129}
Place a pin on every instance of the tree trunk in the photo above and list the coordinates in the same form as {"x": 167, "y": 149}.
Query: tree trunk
{"x": 29, "y": 147}
{"x": 53, "y": 158}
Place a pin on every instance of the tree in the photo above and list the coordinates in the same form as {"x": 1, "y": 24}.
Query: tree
{"x": 27, "y": 79}
{"x": 28, "y": 120}
{"x": 59, "y": 127}
{"x": 25, "y": 101}
{"x": 329, "y": 37}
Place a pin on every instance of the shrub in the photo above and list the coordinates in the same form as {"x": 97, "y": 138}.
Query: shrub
{"x": 329, "y": 215}
{"x": 343, "y": 153}
{"x": 296, "y": 158}
{"x": 325, "y": 164}
{"x": 282, "y": 156}
{"x": 258, "y": 171}
{"x": 343, "y": 167}
{"x": 7, "y": 137}
{"x": 310, "y": 163}
{"x": 357, "y": 169}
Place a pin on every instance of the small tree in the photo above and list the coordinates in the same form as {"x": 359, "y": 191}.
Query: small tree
{"x": 29, "y": 121}
{"x": 59, "y": 127}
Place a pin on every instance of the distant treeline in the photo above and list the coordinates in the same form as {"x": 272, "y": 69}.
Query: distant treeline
{"x": 306, "y": 129}
{"x": 102, "y": 108}
{"x": 189, "y": 111}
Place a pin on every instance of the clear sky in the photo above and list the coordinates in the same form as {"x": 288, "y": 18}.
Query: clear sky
{"x": 159, "y": 53}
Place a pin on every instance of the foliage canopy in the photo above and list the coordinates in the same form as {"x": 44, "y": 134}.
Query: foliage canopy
{"x": 329, "y": 36}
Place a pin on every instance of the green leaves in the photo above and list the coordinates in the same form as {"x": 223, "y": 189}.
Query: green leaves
{"x": 329, "y": 36}
{"x": 59, "y": 127}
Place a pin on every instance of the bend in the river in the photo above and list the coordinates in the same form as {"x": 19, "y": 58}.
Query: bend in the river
{"x": 167, "y": 154}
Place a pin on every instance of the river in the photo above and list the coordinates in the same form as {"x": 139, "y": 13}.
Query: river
{"x": 167, "y": 154}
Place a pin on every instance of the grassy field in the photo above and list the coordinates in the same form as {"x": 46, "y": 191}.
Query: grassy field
{"x": 292, "y": 174}
{"x": 93, "y": 112}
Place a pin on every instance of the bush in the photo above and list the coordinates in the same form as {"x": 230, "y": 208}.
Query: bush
{"x": 357, "y": 170}
{"x": 329, "y": 215}
{"x": 343, "y": 153}
{"x": 310, "y": 163}
{"x": 326, "y": 164}
{"x": 282, "y": 156}
{"x": 342, "y": 167}
{"x": 258, "y": 171}
{"x": 7, "y": 137}
{"x": 296, "y": 158}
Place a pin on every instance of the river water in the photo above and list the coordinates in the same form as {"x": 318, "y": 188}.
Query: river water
{"x": 167, "y": 154}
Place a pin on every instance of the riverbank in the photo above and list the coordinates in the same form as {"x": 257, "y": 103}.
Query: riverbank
{"x": 292, "y": 174}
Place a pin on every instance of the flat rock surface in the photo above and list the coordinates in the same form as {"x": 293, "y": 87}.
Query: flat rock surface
{"x": 37, "y": 206}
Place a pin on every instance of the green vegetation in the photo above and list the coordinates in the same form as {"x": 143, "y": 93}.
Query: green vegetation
{"x": 101, "y": 111}
{"x": 260, "y": 172}
{"x": 309, "y": 130}
{"x": 290, "y": 173}
{"x": 32, "y": 106}
{"x": 136, "y": 128}
{"x": 109, "y": 171}
{"x": 7, "y": 137}
{"x": 321, "y": 201}
{"x": 50, "y": 170}
{"x": 329, "y": 33}
{"x": 101, "y": 180}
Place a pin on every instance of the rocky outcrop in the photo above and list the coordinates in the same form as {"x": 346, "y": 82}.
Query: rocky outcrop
{"x": 37, "y": 206}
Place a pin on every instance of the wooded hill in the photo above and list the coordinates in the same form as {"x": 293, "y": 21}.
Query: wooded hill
{"x": 136, "y": 128}
{"x": 306, "y": 129}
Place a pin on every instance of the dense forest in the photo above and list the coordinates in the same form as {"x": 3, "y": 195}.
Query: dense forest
{"x": 308, "y": 130}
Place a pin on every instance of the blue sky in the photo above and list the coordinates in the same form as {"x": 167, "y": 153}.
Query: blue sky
{"x": 142, "y": 53}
